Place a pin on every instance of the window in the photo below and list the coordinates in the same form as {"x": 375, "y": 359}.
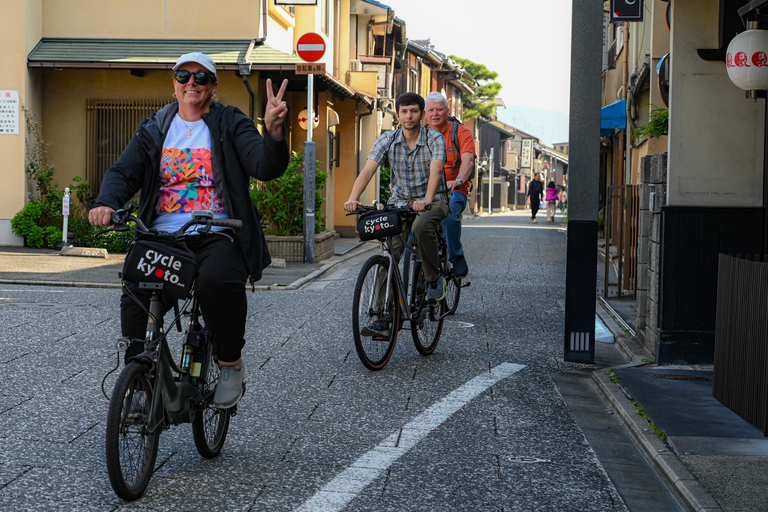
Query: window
{"x": 110, "y": 124}
{"x": 325, "y": 16}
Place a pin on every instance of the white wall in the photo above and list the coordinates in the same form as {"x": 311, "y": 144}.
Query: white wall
{"x": 715, "y": 134}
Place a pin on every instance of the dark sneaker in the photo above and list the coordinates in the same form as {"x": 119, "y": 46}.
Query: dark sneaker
{"x": 229, "y": 390}
{"x": 460, "y": 267}
{"x": 436, "y": 290}
{"x": 134, "y": 405}
{"x": 375, "y": 329}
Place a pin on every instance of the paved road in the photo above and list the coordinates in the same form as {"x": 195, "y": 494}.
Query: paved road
{"x": 479, "y": 425}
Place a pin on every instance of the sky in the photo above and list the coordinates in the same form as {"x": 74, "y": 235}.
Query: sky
{"x": 528, "y": 43}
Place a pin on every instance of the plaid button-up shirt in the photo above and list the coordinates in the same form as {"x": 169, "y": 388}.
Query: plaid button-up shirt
{"x": 410, "y": 167}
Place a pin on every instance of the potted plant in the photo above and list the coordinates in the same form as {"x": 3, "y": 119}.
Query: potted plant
{"x": 281, "y": 207}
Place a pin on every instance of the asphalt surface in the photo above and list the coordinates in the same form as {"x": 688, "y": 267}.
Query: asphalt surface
{"x": 546, "y": 435}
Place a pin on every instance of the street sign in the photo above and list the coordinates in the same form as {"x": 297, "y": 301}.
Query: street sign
{"x": 311, "y": 47}
{"x": 626, "y": 10}
{"x": 310, "y": 69}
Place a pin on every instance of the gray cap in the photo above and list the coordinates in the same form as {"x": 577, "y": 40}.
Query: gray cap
{"x": 199, "y": 58}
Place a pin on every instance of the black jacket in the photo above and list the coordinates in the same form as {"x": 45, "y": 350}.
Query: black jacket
{"x": 238, "y": 152}
{"x": 535, "y": 189}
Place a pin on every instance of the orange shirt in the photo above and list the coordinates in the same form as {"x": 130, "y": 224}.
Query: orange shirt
{"x": 466, "y": 145}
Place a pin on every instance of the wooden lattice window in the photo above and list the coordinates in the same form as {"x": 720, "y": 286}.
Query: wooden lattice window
{"x": 110, "y": 124}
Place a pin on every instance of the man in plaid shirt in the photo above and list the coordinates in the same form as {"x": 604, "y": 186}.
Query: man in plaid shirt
{"x": 417, "y": 158}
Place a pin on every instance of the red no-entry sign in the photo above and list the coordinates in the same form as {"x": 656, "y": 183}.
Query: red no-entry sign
{"x": 311, "y": 47}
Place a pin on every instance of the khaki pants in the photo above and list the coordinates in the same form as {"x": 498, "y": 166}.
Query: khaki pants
{"x": 424, "y": 230}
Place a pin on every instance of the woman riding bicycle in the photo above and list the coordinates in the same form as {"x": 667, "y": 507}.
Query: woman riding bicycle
{"x": 197, "y": 154}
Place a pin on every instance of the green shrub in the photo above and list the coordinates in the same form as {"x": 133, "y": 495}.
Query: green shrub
{"x": 384, "y": 178}
{"x": 114, "y": 241}
{"x": 658, "y": 125}
{"x": 27, "y": 225}
{"x": 281, "y": 201}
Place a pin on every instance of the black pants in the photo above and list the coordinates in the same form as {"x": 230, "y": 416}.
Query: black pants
{"x": 220, "y": 289}
{"x": 534, "y": 206}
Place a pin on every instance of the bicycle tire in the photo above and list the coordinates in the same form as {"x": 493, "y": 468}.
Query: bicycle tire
{"x": 131, "y": 447}
{"x": 374, "y": 351}
{"x": 452, "y": 293}
{"x": 427, "y": 319}
{"x": 210, "y": 424}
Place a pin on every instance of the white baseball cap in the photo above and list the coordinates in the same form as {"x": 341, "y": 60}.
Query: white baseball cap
{"x": 198, "y": 58}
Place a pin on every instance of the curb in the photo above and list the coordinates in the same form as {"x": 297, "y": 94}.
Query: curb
{"x": 663, "y": 460}
{"x": 327, "y": 266}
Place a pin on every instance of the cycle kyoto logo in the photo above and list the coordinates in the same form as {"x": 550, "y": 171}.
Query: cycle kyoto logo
{"x": 375, "y": 224}
{"x": 161, "y": 266}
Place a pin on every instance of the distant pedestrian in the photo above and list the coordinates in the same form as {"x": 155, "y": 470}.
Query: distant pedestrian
{"x": 535, "y": 190}
{"x": 551, "y": 201}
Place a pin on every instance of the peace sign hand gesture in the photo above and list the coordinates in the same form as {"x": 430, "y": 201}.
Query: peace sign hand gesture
{"x": 275, "y": 111}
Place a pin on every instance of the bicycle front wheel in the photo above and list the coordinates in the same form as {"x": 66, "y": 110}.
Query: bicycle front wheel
{"x": 210, "y": 424}
{"x": 132, "y": 440}
{"x": 426, "y": 319}
{"x": 375, "y": 313}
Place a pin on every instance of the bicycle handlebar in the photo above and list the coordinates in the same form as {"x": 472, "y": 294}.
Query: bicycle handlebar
{"x": 403, "y": 210}
{"x": 204, "y": 218}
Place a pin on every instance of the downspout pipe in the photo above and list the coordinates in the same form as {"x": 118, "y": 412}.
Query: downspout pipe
{"x": 360, "y": 135}
{"x": 245, "y": 65}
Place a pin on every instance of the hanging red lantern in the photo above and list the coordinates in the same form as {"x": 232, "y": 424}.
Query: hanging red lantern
{"x": 747, "y": 60}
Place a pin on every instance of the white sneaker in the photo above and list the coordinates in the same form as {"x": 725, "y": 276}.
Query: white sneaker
{"x": 229, "y": 389}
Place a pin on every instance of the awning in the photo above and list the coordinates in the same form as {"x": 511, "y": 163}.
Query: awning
{"x": 228, "y": 54}
{"x": 613, "y": 116}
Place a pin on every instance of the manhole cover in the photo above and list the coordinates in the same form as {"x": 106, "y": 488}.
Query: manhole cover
{"x": 43, "y": 305}
{"x": 457, "y": 324}
{"x": 674, "y": 376}
{"x": 522, "y": 459}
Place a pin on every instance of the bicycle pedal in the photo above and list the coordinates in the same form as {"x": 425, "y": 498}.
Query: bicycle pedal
{"x": 376, "y": 337}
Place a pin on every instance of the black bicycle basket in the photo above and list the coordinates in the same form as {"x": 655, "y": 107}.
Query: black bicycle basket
{"x": 161, "y": 260}
{"x": 379, "y": 224}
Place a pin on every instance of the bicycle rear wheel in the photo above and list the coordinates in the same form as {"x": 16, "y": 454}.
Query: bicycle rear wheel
{"x": 375, "y": 317}
{"x": 452, "y": 293}
{"x": 427, "y": 319}
{"x": 131, "y": 442}
{"x": 210, "y": 424}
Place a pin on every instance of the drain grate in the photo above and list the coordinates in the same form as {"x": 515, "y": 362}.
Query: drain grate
{"x": 674, "y": 376}
{"x": 522, "y": 459}
{"x": 457, "y": 324}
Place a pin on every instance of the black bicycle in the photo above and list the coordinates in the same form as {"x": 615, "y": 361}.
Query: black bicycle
{"x": 384, "y": 299}
{"x": 153, "y": 392}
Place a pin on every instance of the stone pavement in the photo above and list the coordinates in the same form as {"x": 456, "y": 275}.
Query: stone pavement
{"x": 711, "y": 458}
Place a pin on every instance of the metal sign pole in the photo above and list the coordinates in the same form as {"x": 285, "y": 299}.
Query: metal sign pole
{"x": 309, "y": 180}
{"x": 490, "y": 183}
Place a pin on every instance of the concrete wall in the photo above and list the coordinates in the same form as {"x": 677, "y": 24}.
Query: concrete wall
{"x": 715, "y": 134}
{"x": 22, "y": 28}
{"x": 148, "y": 19}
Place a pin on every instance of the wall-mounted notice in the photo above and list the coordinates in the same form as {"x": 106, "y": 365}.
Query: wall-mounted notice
{"x": 9, "y": 112}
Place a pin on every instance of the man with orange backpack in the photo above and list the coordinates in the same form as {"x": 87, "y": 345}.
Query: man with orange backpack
{"x": 459, "y": 169}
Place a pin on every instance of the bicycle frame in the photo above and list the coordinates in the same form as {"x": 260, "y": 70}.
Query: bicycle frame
{"x": 172, "y": 395}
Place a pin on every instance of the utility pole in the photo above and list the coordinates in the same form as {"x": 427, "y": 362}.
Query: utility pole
{"x": 584, "y": 165}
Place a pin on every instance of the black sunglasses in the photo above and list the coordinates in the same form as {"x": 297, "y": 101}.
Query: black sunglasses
{"x": 201, "y": 77}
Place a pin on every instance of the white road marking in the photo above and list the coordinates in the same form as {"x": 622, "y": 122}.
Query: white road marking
{"x": 337, "y": 493}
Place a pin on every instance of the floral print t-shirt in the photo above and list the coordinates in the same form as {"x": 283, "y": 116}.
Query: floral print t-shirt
{"x": 186, "y": 175}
